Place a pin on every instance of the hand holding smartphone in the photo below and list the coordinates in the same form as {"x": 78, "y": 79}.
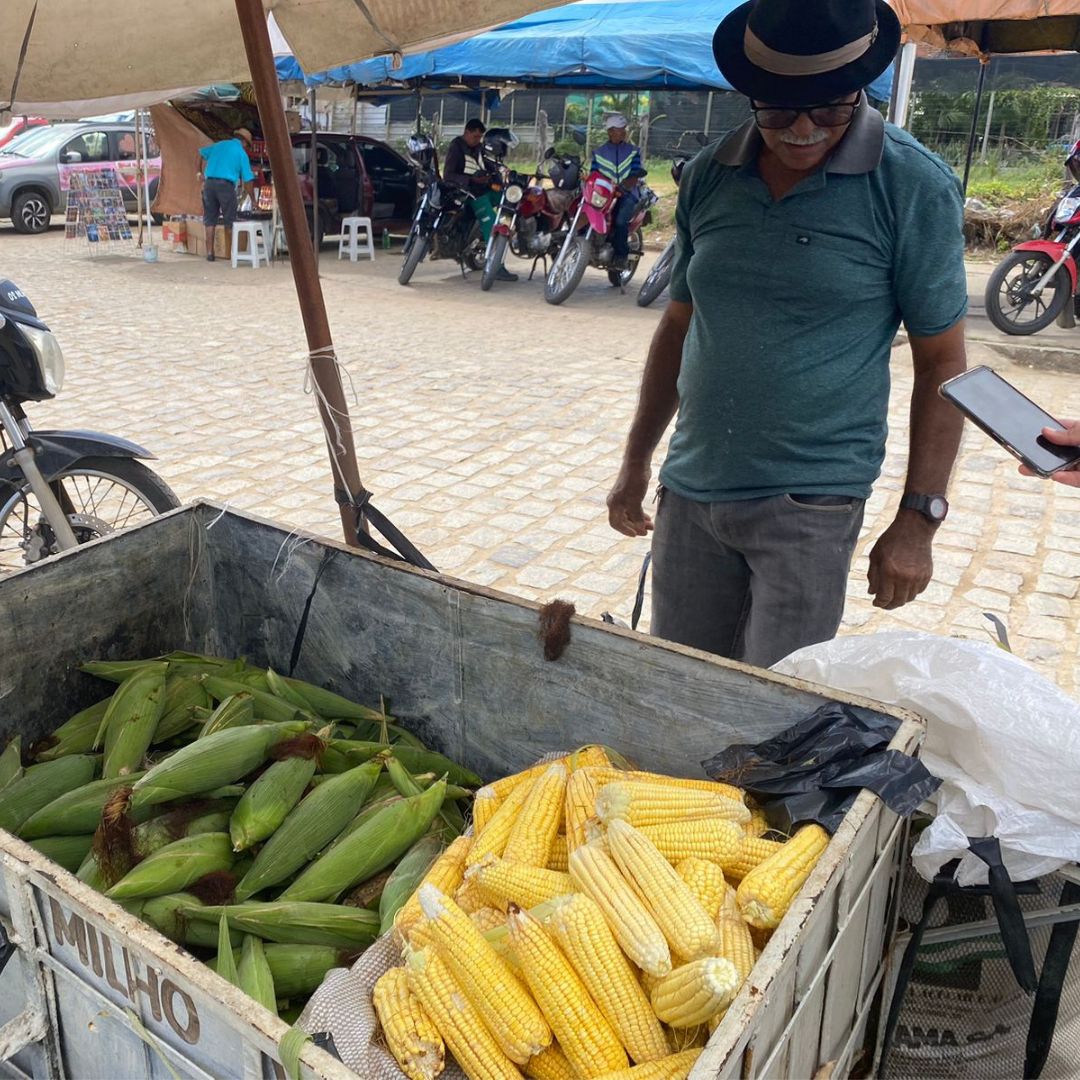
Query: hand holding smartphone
{"x": 1013, "y": 420}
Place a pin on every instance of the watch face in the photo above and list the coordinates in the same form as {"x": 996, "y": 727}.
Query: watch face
{"x": 937, "y": 507}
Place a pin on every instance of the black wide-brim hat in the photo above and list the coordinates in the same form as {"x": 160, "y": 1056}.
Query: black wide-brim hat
{"x": 805, "y": 52}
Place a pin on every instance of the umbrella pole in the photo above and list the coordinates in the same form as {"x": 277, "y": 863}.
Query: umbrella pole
{"x": 333, "y": 408}
{"x": 973, "y": 134}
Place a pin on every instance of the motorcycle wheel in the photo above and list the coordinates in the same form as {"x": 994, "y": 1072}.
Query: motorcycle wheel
{"x": 413, "y": 259}
{"x": 105, "y": 494}
{"x": 1009, "y": 303}
{"x": 494, "y": 261}
{"x": 622, "y": 278}
{"x": 659, "y": 277}
{"x": 474, "y": 249}
{"x": 565, "y": 277}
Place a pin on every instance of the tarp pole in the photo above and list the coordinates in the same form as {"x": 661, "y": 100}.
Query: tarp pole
{"x": 986, "y": 131}
{"x": 355, "y": 105}
{"x": 138, "y": 178}
{"x": 905, "y": 77}
{"x": 313, "y": 174}
{"x": 708, "y": 113}
{"x": 141, "y": 150}
{"x": 333, "y": 408}
{"x": 973, "y": 134}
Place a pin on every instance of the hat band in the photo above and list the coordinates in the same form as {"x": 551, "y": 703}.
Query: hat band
{"x": 781, "y": 63}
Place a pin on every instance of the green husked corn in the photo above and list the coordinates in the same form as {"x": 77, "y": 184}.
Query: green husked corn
{"x": 164, "y": 914}
{"x": 326, "y": 703}
{"x": 175, "y": 866}
{"x": 280, "y": 688}
{"x": 255, "y": 977}
{"x": 416, "y": 761}
{"x": 206, "y": 764}
{"x": 184, "y": 821}
{"x": 407, "y": 784}
{"x": 90, "y": 873}
{"x": 300, "y": 969}
{"x": 369, "y": 849}
{"x": 317, "y": 819}
{"x": 178, "y": 663}
{"x": 372, "y": 807}
{"x": 77, "y": 812}
{"x": 267, "y": 706}
{"x": 297, "y": 923}
{"x": 11, "y": 762}
{"x": 371, "y": 731}
{"x": 237, "y": 710}
{"x": 226, "y": 963}
{"x": 269, "y": 801}
{"x": 74, "y": 736}
{"x": 406, "y": 877}
{"x": 183, "y": 695}
{"x": 68, "y": 851}
{"x": 132, "y": 719}
{"x": 40, "y": 784}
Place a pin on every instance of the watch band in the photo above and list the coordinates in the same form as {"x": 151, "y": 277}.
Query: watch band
{"x": 933, "y": 507}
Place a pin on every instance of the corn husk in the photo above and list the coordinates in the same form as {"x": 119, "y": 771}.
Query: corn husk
{"x": 183, "y": 695}
{"x": 269, "y": 800}
{"x": 175, "y": 866}
{"x": 165, "y": 914}
{"x": 176, "y": 663}
{"x": 254, "y": 974}
{"x": 74, "y": 736}
{"x": 237, "y": 710}
{"x": 407, "y": 785}
{"x": 297, "y": 923}
{"x": 131, "y": 720}
{"x": 66, "y": 851}
{"x": 76, "y": 812}
{"x": 266, "y": 705}
{"x": 369, "y": 849}
{"x": 40, "y": 784}
{"x": 317, "y": 819}
{"x": 209, "y": 763}
{"x": 415, "y": 760}
{"x": 11, "y": 762}
{"x": 226, "y": 963}
{"x": 406, "y": 877}
{"x": 326, "y": 703}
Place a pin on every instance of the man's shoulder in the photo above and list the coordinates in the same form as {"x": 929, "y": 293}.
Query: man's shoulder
{"x": 907, "y": 158}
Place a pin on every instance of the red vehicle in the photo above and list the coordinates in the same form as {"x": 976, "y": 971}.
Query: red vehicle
{"x": 587, "y": 241}
{"x": 532, "y": 220}
{"x": 17, "y": 125}
{"x": 1036, "y": 282}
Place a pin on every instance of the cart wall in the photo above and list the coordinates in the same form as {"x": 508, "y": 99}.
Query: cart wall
{"x": 464, "y": 668}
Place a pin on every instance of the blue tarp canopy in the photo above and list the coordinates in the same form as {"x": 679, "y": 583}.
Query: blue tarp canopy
{"x": 593, "y": 44}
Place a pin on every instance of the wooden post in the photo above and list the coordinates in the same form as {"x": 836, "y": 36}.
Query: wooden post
{"x": 333, "y": 407}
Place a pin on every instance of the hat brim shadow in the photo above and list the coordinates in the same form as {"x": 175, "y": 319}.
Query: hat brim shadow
{"x": 761, "y": 85}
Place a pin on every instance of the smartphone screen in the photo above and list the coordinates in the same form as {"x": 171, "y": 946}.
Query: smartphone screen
{"x": 1008, "y": 416}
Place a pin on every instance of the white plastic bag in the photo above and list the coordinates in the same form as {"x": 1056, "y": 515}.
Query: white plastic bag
{"x": 1004, "y": 740}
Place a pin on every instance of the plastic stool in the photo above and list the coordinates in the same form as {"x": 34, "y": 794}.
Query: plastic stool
{"x": 350, "y": 238}
{"x": 257, "y": 247}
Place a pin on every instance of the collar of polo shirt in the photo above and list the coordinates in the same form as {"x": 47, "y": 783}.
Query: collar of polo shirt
{"x": 859, "y": 150}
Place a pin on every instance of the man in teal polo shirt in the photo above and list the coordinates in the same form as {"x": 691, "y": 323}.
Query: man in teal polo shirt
{"x": 222, "y": 167}
{"x": 805, "y": 238}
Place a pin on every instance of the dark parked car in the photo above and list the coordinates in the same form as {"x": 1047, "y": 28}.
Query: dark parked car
{"x": 357, "y": 175}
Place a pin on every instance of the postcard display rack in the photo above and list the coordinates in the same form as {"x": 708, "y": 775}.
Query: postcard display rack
{"x": 96, "y": 212}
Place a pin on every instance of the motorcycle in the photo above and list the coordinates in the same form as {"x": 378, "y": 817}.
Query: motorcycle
{"x": 531, "y": 220}
{"x": 1015, "y": 301}
{"x": 592, "y": 247}
{"x": 440, "y": 226}
{"x": 58, "y": 489}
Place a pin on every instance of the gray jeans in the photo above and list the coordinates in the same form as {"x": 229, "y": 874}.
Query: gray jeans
{"x": 755, "y": 579}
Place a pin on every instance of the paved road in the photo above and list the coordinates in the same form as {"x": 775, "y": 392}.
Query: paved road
{"x": 489, "y": 426}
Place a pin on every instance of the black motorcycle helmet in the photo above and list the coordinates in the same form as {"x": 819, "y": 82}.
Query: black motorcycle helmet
{"x": 498, "y": 142}
{"x": 421, "y": 149}
{"x": 565, "y": 172}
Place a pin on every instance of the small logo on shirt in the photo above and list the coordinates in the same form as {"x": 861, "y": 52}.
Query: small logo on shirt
{"x": 802, "y": 238}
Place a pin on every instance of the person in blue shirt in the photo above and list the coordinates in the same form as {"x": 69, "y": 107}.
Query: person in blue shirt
{"x": 223, "y": 167}
{"x": 620, "y": 162}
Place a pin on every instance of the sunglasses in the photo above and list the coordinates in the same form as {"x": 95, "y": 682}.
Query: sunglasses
{"x": 775, "y": 117}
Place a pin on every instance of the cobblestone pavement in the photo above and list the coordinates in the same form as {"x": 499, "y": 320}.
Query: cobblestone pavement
{"x": 489, "y": 427}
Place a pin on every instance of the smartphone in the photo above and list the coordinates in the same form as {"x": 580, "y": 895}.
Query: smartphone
{"x": 1010, "y": 418}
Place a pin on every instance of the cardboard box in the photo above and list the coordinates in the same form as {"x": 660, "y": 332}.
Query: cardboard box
{"x": 196, "y": 241}
{"x": 174, "y": 232}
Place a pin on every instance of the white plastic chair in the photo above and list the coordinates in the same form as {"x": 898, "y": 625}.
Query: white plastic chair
{"x": 258, "y": 246}
{"x": 350, "y": 239}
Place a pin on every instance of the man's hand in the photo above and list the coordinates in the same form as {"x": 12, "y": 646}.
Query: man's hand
{"x": 902, "y": 561}
{"x": 626, "y": 499}
{"x": 1069, "y": 437}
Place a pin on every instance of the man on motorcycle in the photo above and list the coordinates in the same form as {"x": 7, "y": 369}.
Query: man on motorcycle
{"x": 620, "y": 162}
{"x": 804, "y": 238}
{"x": 465, "y": 166}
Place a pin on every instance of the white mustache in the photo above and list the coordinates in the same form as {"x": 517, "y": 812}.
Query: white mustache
{"x": 818, "y": 135}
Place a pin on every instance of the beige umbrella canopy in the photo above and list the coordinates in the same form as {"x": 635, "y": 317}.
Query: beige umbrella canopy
{"x": 85, "y": 50}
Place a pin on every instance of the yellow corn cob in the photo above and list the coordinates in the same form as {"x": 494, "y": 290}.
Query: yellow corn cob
{"x": 736, "y": 944}
{"x": 689, "y": 929}
{"x": 551, "y": 1065}
{"x": 485, "y": 803}
{"x": 595, "y": 874}
{"x": 581, "y": 791}
{"x": 714, "y": 839}
{"x": 766, "y": 892}
{"x": 713, "y": 787}
{"x": 585, "y": 1037}
{"x": 757, "y": 825}
{"x": 445, "y": 873}
{"x": 693, "y": 993}
{"x": 559, "y": 853}
{"x": 641, "y": 803}
{"x": 469, "y": 897}
{"x": 488, "y": 918}
{"x": 539, "y": 820}
{"x": 501, "y": 882}
{"x": 420, "y": 936}
{"x": 706, "y": 881}
{"x": 585, "y": 757}
{"x": 752, "y": 852}
{"x": 411, "y": 1036}
{"x": 456, "y": 1018}
{"x": 578, "y": 925}
{"x": 503, "y": 1004}
{"x": 671, "y": 1067}
{"x": 492, "y": 841}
